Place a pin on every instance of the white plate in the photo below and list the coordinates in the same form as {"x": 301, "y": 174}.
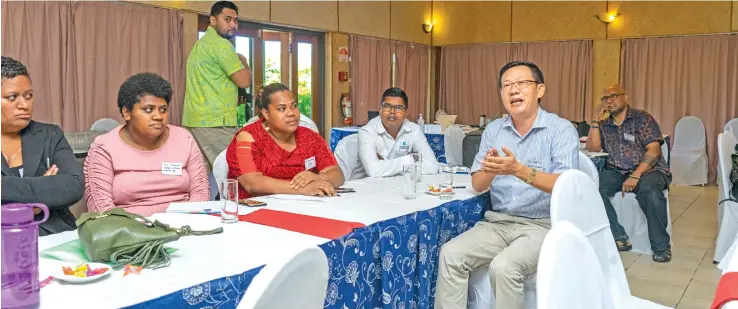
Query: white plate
{"x": 435, "y": 193}
{"x": 59, "y": 275}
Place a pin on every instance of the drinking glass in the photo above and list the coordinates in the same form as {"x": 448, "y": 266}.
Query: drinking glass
{"x": 418, "y": 158}
{"x": 448, "y": 174}
{"x": 410, "y": 173}
{"x": 447, "y": 190}
{"x": 229, "y": 199}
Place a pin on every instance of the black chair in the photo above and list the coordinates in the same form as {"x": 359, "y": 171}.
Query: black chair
{"x": 372, "y": 115}
{"x": 470, "y": 147}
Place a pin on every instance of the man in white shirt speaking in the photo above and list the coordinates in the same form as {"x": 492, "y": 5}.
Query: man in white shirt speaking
{"x": 389, "y": 141}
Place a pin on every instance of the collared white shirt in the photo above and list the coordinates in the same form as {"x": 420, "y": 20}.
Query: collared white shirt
{"x": 374, "y": 139}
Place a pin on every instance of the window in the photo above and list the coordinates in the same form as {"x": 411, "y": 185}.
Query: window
{"x": 283, "y": 55}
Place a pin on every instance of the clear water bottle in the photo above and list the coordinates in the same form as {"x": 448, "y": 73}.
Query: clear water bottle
{"x": 421, "y": 123}
{"x": 20, "y": 288}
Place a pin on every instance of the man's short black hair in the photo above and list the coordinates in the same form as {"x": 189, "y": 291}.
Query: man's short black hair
{"x": 140, "y": 85}
{"x": 218, "y": 7}
{"x": 395, "y": 92}
{"x": 537, "y": 74}
{"x": 12, "y": 68}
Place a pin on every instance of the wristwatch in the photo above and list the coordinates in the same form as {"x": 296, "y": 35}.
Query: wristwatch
{"x": 531, "y": 177}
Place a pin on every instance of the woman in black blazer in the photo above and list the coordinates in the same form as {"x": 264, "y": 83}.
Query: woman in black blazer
{"x": 38, "y": 165}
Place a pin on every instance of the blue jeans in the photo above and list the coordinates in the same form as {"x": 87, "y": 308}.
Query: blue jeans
{"x": 650, "y": 195}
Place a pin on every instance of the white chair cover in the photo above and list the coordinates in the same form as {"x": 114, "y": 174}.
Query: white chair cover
{"x": 298, "y": 281}
{"x": 727, "y": 208}
{"x": 732, "y": 126}
{"x": 347, "y": 155}
{"x": 588, "y": 167}
{"x": 481, "y": 295}
{"x": 634, "y": 222}
{"x": 730, "y": 256}
{"x": 453, "y": 140}
{"x": 576, "y": 199}
{"x": 104, "y": 125}
{"x": 220, "y": 168}
{"x": 305, "y": 121}
{"x": 688, "y": 156}
{"x": 569, "y": 274}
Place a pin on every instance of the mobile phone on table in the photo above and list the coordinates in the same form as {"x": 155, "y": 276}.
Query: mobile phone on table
{"x": 344, "y": 190}
{"x": 253, "y": 203}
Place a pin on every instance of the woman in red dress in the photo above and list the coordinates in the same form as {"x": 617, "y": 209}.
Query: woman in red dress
{"x": 276, "y": 156}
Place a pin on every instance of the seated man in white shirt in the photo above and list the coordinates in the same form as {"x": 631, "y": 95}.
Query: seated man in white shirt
{"x": 387, "y": 142}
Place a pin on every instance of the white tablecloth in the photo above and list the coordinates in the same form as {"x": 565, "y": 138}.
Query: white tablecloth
{"x": 241, "y": 247}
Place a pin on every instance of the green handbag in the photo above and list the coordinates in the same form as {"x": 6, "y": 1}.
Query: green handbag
{"x": 119, "y": 237}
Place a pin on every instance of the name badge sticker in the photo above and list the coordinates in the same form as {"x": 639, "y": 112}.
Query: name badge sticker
{"x": 171, "y": 168}
{"x": 310, "y": 163}
{"x": 629, "y": 137}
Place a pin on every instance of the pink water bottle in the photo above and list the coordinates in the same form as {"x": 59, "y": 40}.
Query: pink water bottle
{"x": 20, "y": 286}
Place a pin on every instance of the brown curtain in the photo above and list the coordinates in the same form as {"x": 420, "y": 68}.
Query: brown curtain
{"x": 79, "y": 53}
{"x": 684, "y": 76}
{"x": 127, "y": 39}
{"x": 469, "y": 77}
{"x": 371, "y": 64}
{"x": 412, "y": 76}
{"x": 37, "y": 34}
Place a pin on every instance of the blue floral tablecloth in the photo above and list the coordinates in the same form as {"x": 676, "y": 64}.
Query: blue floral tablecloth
{"x": 434, "y": 140}
{"x": 390, "y": 264}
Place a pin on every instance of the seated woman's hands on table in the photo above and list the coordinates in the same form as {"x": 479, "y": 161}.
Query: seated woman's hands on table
{"x": 309, "y": 183}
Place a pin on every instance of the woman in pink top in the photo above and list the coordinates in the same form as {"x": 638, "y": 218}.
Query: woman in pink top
{"x": 145, "y": 164}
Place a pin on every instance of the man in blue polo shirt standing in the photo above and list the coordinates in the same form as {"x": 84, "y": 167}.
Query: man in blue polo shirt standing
{"x": 519, "y": 160}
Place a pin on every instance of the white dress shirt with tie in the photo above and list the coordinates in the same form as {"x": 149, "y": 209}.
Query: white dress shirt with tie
{"x": 374, "y": 139}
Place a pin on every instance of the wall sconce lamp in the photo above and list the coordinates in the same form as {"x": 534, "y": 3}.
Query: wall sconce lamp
{"x": 607, "y": 18}
{"x": 427, "y": 27}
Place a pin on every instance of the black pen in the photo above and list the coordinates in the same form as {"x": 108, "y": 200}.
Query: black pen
{"x": 460, "y": 187}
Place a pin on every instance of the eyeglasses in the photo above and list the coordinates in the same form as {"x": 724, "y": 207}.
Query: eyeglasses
{"x": 389, "y": 107}
{"x": 610, "y": 98}
{"x": 521, "y": 85}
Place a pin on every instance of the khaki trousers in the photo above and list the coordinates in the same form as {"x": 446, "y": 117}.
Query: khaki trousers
{"x": 212, "y": 141}
{"x": 508, "y": 245}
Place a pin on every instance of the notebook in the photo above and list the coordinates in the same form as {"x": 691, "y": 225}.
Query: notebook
{"x": 207, "y": 207}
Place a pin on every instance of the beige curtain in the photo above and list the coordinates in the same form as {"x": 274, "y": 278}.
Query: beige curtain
{"x": 567, "y": 72}
{"x": 371, "y": 64}
{"x": 412, "y": 76}
{"x": 469, "y": 77}
{"x": 684, "y": 76}
{"x": 79, "y": 53}
{"x": 37, "y": 34}
{"x": 127, "y": 39}
{"x": 468, "y": 80}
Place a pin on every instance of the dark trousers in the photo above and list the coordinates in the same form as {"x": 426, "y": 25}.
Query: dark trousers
{"x": 650, "y": 196}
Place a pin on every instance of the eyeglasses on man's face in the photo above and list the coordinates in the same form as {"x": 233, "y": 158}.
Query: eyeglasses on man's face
{"x": 611, "y": 97}
{"x": 521, "y": 85}
{"x": 389, "y": 107}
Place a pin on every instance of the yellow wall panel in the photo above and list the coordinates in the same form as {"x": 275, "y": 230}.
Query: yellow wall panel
{"x": 606, "y": 66}
{"x": 370, "y": 18}
{"x": 407, "y": 20}
{"x": 657, "y": 18}
{"x": 546, "y": 21}
{"x": 311, "y": 14}
{"x": 458, "y": 22}
{"x": 735, "y": 16}
{"x": 255, "y": 10}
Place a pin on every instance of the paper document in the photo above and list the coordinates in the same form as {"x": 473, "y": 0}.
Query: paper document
{"x": 196, "y": 207}
{"x": 291, "y": 197}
